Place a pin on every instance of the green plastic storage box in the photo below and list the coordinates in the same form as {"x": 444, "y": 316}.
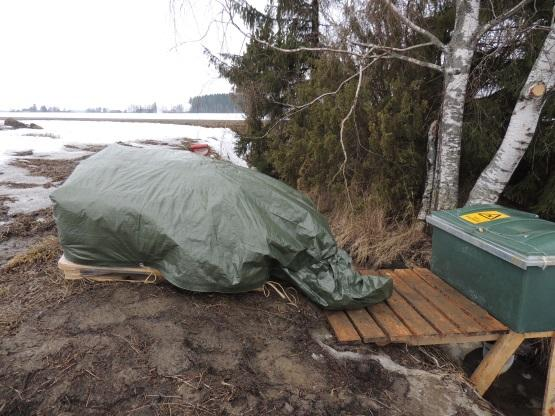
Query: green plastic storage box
{"x": 502, "y": 259}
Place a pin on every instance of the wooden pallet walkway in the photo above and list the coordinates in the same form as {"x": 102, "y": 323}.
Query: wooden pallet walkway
{"x": 424, "y": 310}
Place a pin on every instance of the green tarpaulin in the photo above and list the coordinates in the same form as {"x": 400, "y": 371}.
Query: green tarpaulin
{"x": 207, "y": 225}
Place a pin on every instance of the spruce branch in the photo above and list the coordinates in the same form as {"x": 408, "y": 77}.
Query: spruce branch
{"x": 286, "y": 50}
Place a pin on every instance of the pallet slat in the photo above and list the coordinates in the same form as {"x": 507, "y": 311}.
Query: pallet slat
{"x": 410, "y": 317}
{"x": 389, "y": 322}
{"x": 487, "y": 321}
{"x": 367, "y": 328}
{"x": 342, "y": 327}
{"x": 452, "y": 311}
{"x": 428, "y": 311}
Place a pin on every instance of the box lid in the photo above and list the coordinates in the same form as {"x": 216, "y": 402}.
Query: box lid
{"x": 518, "y": 237}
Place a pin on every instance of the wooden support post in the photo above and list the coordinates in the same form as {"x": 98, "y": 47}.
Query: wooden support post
{"x": 494, "y": 361}
{"x": 549, "y": 398}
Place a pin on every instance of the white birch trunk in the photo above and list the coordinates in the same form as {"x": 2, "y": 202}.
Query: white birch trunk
{"x": 427, "y": 196}
{"x": 458, "y": 59}
{"x": 521, "y": 129}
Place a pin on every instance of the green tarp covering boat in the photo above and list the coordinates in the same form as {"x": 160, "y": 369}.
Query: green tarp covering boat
{"x": 207, "y": 225}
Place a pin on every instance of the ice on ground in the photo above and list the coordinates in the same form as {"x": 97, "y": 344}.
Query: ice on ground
{"x": 27, "y": 199}
{"x": 69, "y": 140}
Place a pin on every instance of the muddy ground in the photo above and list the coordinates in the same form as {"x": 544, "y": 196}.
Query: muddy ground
{"x": 125, "y": 348}
{"x": 91, "y": 348}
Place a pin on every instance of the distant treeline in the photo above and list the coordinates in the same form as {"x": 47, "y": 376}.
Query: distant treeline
{"x": 42, "y": 109}
{"x": 151, "y": 108}
{"x": 215, "y": 103}
{"x": 212, "y": 103}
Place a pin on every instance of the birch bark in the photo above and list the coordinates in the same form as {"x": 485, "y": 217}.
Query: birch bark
{"x": 457, "y": 62}
{"x": 427, "y": 196}
{"x": 522, "y": 126}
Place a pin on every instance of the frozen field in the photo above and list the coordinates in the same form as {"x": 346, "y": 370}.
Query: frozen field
{"x": 23, "y": 191}
{"x": 118, "y": 116}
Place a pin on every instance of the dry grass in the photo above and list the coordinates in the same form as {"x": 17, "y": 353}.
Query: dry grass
{"x": 44, "y": 251}
{"x": 54, "y": 169}
{"x": 19, "y": 185}
{"x": 28, "y": 225}
{"x": 373, "y": 239}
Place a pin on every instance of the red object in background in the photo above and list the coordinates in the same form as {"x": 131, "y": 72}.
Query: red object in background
{"x": 200, "y": 148}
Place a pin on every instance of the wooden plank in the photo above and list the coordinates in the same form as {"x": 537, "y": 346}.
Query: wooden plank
{"x": 367, "y": 328}
{"x": 549, "y": 397}
{"x": 410, "y": 317}
{"x": 454, "y": 313}
{"x": 407, "y": 314}
{"x": 342, "y": 327}
{"x": 114, "y": 278}
{"x": 478, "y": 313}
{"x": 494, "y": 361}
{"x": 453, "y": 339}
{"x": 423, "y": 306}
{"x": 545, "y": 334}
{"x": 389, "y": 322}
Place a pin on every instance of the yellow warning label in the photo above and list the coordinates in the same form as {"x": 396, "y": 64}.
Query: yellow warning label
{"x": 484, "y": 216}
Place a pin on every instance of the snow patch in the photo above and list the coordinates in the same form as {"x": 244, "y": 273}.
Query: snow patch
{"x": 64, "y": 133}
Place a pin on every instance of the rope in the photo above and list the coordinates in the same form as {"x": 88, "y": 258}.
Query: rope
{"x": 151, "y": 278}
{"x": 288, "y": 294}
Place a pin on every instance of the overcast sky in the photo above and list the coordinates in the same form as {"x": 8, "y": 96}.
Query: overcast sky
{"x": 112, "y": 53}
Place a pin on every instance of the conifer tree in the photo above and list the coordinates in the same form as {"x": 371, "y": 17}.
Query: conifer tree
{"x": 263, "y": 77}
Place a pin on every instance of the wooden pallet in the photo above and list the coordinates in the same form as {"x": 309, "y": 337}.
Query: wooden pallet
{"x": 74, "y": 271}
{"x": 423, "y": 310}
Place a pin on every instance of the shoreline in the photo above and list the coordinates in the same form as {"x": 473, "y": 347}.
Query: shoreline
{"x": 201, "y": 122}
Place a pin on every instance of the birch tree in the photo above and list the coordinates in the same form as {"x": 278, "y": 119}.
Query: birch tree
{"x": 521, "y": 128}
{"x": 458, "y": 56}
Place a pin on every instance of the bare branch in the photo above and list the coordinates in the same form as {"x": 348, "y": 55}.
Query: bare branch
{"x": 415, "y": 27}
{"x": 414, "y": 61}
{"x": 303, "y": 49}
{"x": 503, "y": 16}
{"x": 390, "y": 48}
{"x": 326, "y": 94}
{"x": 343, "y": 166}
